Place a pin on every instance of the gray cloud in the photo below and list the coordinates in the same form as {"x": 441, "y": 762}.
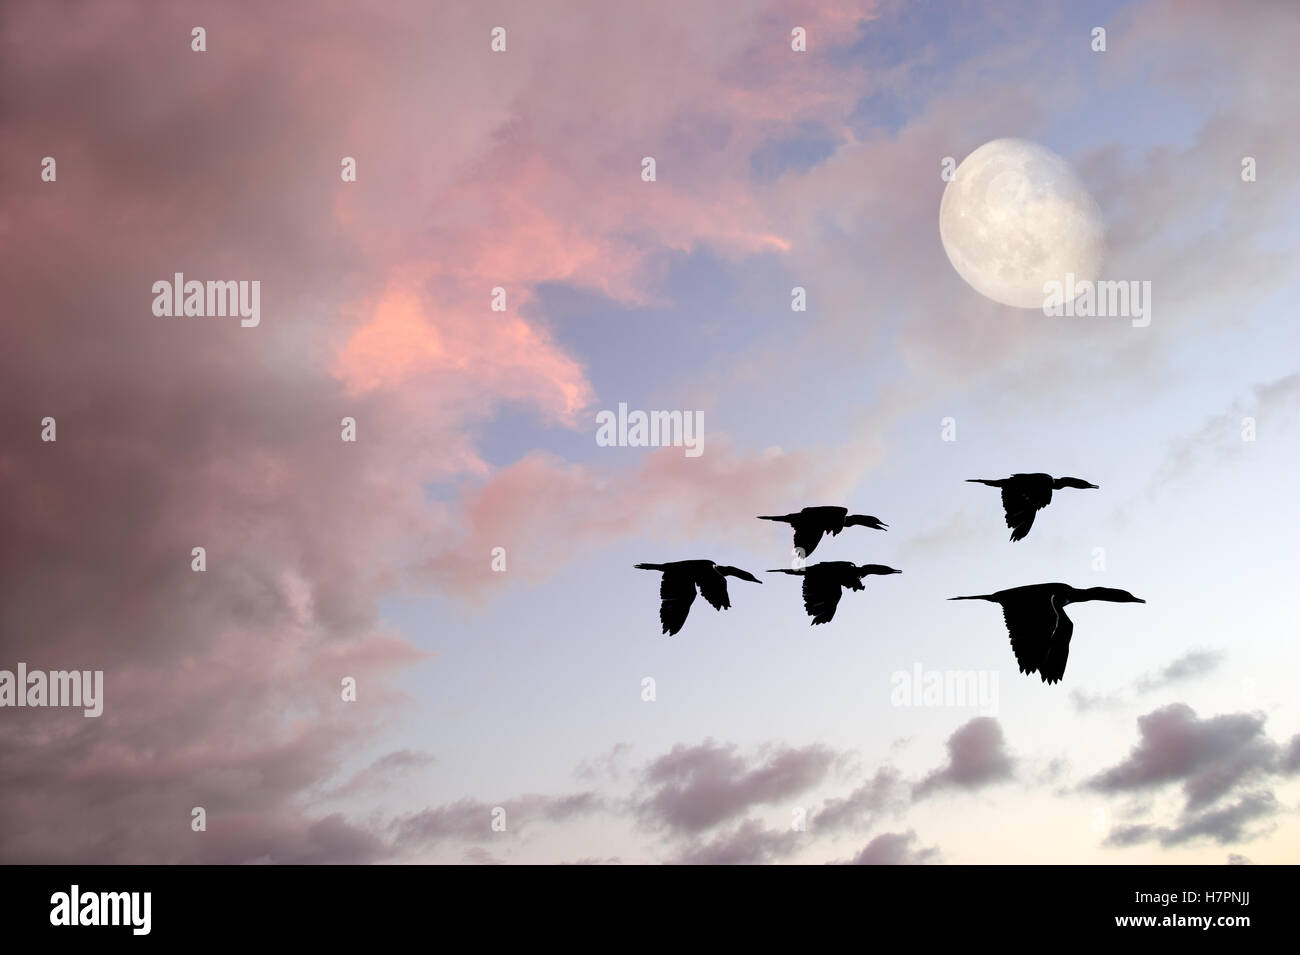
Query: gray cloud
{"x": 750, "y": 843}
{"x": 977, "y": 757}
{"x": 895, "y": 848}
{"x": 1210, "y": 757}
{"x": 692, "y": 788}
{"x": 173, "y": 434}
{"x": 471, "y": 819}
{"x": 1225, "y": 825}
{"x": 1289, "y": 762}
{"x": 1084, "y": 702}
{"x": 1195, "y": 663}
{"x": 883, "y": 791}
{"x": 609, "y": 765}
{"x": 1218, "y": 440}
{"x": 1122, "y": 837}
{"x": 1189, "y": 666}
{"x": 592, "y": 860}
{"x": 383, "y": 772}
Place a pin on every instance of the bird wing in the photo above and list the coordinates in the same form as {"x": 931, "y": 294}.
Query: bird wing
{"x": 821, "y": 596}
{"x": 1021, "y": 504}
{"x": 1031, "y": 625}
{"x": 676, "y": 594}
{"x": 806, "y": 536}
{"x": 713, "y": 588}
{"x": 1058, "y": 651}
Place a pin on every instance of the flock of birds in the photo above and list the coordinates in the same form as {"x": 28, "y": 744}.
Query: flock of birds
{"x": 1035, "y": 615}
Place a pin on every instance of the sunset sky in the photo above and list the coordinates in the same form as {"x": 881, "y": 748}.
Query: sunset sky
{"x": 1175, "y": 735}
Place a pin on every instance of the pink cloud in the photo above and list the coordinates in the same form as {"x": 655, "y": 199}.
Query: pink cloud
{"x": 541, "y": 506}
{"x": 222, "y": 687}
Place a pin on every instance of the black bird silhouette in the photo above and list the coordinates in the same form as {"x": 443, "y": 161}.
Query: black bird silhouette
{"x": 812, "y": 522}
{"x": 824, "y": 583}
{"x": 677, "y": 589}
{"x": 1024, "y": 495}
{"x": 1040, "y": 630}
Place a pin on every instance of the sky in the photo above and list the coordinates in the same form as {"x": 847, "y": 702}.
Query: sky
{"x": 429, "y": 644}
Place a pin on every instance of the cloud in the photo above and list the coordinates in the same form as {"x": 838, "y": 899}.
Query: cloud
{"x": 1121, "y": 837}
{"x": 882, "y": 792}
{"x": 1225, "y": 825}
{"x": 592, "y": 860}
{"x": 977, "y": 757}
{"x": 1190, "y": 666}
{"x": 1290, "y": 760}
{"x": 1085, "y": 702}
{"x": 472, "y": 819}
{"x": 222, "y": 687}
{"x": 693, "y": 788}
{"x": 331, "y": 840}
{"x": 699, "y": 796}
{"x": 1274, "y": 405}
{"x": 542, "y": 509}
{"x": 381, "y": 773}
{"x": 609, "y": 765}
{"x": 895, "y": 848}
{"x": 750, "y": 843}
{"x": 477, "y": 855}
{"x": 1210, "y": 757}
{"x": 1193, "y": 664}
{"x": 202, "y": 731}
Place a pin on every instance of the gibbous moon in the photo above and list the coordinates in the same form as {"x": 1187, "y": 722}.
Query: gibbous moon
{"x": 1016, "y": 216}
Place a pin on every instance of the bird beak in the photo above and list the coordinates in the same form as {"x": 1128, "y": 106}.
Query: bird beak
{"x": 1094, "y": 487}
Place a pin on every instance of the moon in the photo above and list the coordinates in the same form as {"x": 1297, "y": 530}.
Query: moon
{"x": 1016, "y": 216}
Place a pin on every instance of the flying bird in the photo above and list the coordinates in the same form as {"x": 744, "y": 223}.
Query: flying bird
{"x": 812, "y": 522}
{"x": 1040, "y": 631}
{"x": 680, "y": 580}
{"x": 1024, "y": 495}
{"x": 824, "y": 583}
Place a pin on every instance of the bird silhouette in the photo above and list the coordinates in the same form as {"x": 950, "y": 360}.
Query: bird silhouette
{"x": 1024, "y": 495}
{"x": 680, "y": 580}
{"x": 812, "y": 522}
{"x": 1040, "y": 631}
{"x": 824, "y": 583}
